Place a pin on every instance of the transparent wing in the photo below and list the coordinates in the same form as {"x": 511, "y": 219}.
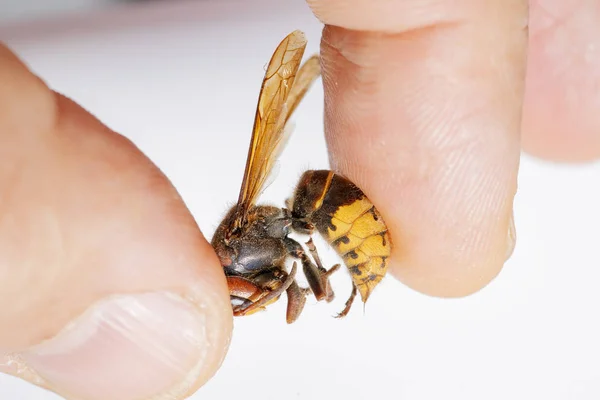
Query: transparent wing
{"x": 271, "y": 115}
{"x": 284, "y": 86}
{"x": 287, "y": 131}
{"x": 306, "y": 76}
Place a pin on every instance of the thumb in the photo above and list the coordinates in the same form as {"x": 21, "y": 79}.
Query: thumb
{"x": 104, "y": 275}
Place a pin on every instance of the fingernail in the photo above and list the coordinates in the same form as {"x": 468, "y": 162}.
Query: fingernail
{"x": 512, "y": 237}
{"x": 127, "y": 347}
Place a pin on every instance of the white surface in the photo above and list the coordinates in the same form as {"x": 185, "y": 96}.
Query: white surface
{"x": 184, "y": 90}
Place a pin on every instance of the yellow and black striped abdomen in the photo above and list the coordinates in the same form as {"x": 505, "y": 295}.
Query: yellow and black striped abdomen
{"x": 348, "y": 220}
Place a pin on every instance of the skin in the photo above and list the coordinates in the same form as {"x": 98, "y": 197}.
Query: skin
{"x": 425, "y": 109}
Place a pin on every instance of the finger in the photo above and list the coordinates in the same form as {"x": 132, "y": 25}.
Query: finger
{"x": 104, "y": 275}
{"x": 561, "y": 121}
{"x": 422, "y": 110}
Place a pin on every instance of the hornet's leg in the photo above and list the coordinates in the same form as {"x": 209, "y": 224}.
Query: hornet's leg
{"x": 247, "y": 297}
{"x": 317, "y": 277}
{"x": 349, "y": 302}
{"x": 242, "y": 293}
{"x": 296, "y": 300}
{"x": 325, "y": 274}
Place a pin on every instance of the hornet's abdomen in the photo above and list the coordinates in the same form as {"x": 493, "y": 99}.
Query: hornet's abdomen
{"x": 349, "y": 222}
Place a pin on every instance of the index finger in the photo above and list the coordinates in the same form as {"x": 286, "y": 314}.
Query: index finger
{"x": 423, "y": 110}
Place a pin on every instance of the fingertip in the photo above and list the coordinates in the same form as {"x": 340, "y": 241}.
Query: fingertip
{"x": 569, "y": 136}
{"x": 156, "y": 345}
{"x": 561, "y": 122}
{"x": 451, "y": 270}
{"x": 427, "y": 123}
{"x": 158, "y": 331}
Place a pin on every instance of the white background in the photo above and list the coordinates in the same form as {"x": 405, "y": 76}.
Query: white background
{"x": 181, "y": 81}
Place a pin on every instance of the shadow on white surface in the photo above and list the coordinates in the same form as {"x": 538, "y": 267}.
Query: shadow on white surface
{"x": 181, "y": 81}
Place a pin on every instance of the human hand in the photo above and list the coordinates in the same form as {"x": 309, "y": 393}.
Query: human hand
{"x": 451, "y": 148}
{"x": 89, "y": 225}
{"x": 423, "y": 111}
